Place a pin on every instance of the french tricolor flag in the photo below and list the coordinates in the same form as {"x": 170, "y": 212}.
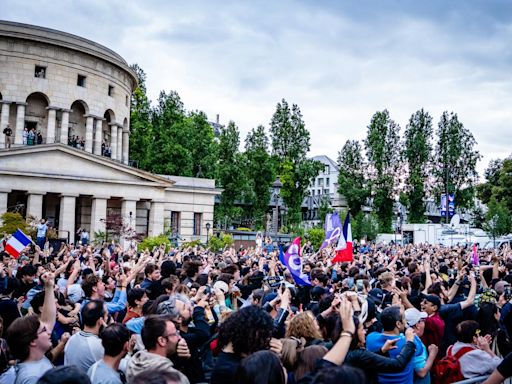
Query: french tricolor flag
{"x": 17, "y": 243}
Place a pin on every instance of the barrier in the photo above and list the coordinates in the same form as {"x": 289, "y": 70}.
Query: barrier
{"x": 474, "y": 380}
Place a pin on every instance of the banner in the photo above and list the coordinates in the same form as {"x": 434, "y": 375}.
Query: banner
{"x": 291, "y": 259}
{"x": 332, "y": 229}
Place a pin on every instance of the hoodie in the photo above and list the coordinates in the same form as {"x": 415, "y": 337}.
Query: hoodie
{"x": 144, "y": 360}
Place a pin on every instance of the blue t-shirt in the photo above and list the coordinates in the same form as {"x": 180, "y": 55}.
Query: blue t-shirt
{"x": 375, "y": 341}
{"x": 419, "y": 360}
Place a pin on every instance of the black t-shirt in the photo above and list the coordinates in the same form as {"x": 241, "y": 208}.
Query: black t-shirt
{"x": 225, "y": 368}
{"x": 505, "y": 367}
{"x": 9, "y": 311}
{"x": 7, "y": 131}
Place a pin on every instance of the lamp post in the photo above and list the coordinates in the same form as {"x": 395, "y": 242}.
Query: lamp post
{"x": 208, "y": 225}
{"x": 276, "y": 187}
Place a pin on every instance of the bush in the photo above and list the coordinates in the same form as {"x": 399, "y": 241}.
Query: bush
{"x": 218, "y": 243}
{"x": 192, "y": 243}
{"x": 154, "y": 241}
{"x": 316, "y": 236}
{"x": 11, "y": 221}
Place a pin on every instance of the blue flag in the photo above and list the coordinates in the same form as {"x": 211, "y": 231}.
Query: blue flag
{"x": 291, "y": 260}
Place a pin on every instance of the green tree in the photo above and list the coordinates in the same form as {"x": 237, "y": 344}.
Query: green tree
{"x": 351, "y": 178}
{"x": 200, "y": 141}
{"x": 290, "y": 146}
{"x": 492, "y": 177}
{"x": 502, "y": 190}
{"x": 455, "y": 160}
{"x": 230, "y": 175}
{"x": 365, "y": 226}
{"x": 497, "y": 220}
{"x": 141, "y": 128}
{"x": 170, "y": 153}
{"x": 260, "y": 173}
{"x": 11, "y": 221}
{"x": 382, "y": 150}
{"x": 417, "y": 154}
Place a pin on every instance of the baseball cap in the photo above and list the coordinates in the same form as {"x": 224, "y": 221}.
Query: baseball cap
{"x": 24, "y": 258}
{"x": 434, "y": 300}
{"x": 413, "y": 316}
{"x": 376, "y": 295}
{"x": 221, "y": 285}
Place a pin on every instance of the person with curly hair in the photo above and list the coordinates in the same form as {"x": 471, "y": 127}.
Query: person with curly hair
{"x": 244, "y": 332}
{"x": 304, "y": 325}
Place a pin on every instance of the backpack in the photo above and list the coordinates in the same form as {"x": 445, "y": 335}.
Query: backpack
{"x": 447, "y": 370}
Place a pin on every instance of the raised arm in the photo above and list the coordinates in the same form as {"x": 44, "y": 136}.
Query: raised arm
{"x": 338, "y": 352}
{"x": 472, "y": 292}
{"x": 49, "y": 310}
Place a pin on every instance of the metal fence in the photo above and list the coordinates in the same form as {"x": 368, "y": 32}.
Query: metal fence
{"x": 480, "y": 379}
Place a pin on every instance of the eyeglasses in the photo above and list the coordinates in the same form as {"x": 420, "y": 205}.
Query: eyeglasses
{"x": 43, "y": 330}
{"x": 177, "y": 333}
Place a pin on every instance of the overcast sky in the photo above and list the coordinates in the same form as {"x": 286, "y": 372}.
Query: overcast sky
{"x": 340, "y": 61}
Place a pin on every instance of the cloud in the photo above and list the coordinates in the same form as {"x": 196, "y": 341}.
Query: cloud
{"x": 339, "y": 61}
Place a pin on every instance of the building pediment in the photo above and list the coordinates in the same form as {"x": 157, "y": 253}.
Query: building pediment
{"x": 60, "y": 161}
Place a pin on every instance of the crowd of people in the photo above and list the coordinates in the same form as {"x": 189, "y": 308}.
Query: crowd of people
{"x": 395, "y": 314}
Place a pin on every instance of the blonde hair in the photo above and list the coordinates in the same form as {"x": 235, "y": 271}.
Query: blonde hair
{"x": 303, "y": 325}
{"x": 386, "y": 279}
{"x": 290, "y": 352}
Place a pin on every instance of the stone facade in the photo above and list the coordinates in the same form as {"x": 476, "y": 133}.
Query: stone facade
{"x": 66, "y": 87}
{"x": 63, "y": 86}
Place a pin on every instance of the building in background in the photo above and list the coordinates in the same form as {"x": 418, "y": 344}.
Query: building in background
{"x": 322, "y": 190}
{"x": 74, "y": 95}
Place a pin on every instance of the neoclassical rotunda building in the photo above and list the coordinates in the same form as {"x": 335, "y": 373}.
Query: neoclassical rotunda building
{"x": 74, "y": 96}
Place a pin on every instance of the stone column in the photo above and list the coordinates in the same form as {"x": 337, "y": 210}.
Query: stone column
{"x": 98, "y": 214}
{"x": 50, "y": 128}
{"x": 64, "y": 127}
{"x": 113, "y": 140}
{"x": 88, "y": 133}
{"x": 67, "y": 217}
{"x": 119, "y": 143}
{"x": 156, "y": 218}
{"x": 20, "y": 123}
{"x": 4, "y": 120}
{"x": 129, "y": 215}
{"x": 35, "y": 204}
{"x": 98, "y": 137}
{"x": 126, "y": 145}
{"x": 3, "y": 202}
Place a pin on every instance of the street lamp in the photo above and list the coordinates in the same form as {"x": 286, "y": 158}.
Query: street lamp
{"x": 276, "y": 186}
{"x": 208, "y": 225}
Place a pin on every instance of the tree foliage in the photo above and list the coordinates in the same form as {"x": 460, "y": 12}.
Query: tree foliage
{"x": 382, "y": 149}
{"x": 417, "y": 154}
{"x": 455, "y": 160}
{"x": 290, "y": 146}
{"x": 230, "y": 175}
{"x": 260, "y": 172}
{"x": 351, "y": 178}
{"x": 365, "y": 226}
{"x": 497, "y": 220}
{"x": 141, "y": 127}
{"x": 11, "y": 221}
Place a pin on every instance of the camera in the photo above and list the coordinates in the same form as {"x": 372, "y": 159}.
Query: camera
{"x": 507, "y": 293}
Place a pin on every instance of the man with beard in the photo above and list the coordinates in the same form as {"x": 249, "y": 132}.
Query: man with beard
{"x": 179, "y": 308}
{"x": 84, "y": 348}
{"x": 162, "y": 340}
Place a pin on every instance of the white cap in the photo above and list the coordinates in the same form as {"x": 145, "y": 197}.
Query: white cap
{"x": 412, "y": 316}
